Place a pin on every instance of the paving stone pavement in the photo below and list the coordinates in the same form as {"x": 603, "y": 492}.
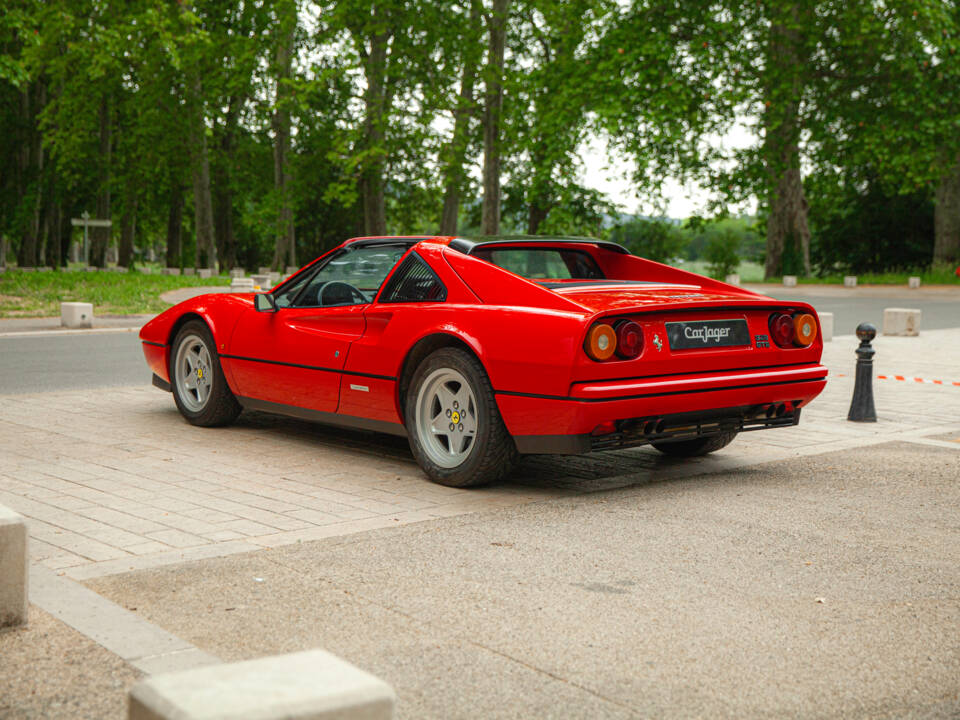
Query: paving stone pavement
{"x": 114, "y": 480}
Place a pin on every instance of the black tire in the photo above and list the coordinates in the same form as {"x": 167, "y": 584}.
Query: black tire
{"x": 696, "y": 447}
{"x": 492, "y": 452}
{"x": 219, "y": 406}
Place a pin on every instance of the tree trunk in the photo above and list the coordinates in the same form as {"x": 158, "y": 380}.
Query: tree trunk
{"x": 536, "y": 214}
{"x": 371, "y": 179}
{"x": 493, "y": 104}
{"x": 456, "y": 149}
{"x": 128, "y": 232}
{"x": 30, "y": 169}
{"x": 52, "y": 230}
{"x": 202, "y": 202}
{"x": 223, "y": 191}
{"x": 788, "y": 235}
{"x": 946, "y": 218}
{"x": 175, "y": 226}
{"x": 100, "y": 236}
{"x": 285, "y": 247}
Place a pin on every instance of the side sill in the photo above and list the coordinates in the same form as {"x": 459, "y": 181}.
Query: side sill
{"x": 552, "y": 444}
{"x": 319, "y": 416}
{"x": 161, "y": 383}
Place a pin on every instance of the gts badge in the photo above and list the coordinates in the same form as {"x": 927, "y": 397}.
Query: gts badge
{"x": 763, "y": 341}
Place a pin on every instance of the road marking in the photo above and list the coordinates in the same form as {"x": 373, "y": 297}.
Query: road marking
{"x": 902, "y": 378}
{"x": 48, "y": 333}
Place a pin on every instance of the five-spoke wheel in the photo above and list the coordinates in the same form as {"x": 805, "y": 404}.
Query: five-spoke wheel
{"x": 456, "y": 432}
{"x": 199, "y": 387}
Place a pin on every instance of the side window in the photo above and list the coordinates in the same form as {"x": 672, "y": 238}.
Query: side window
{"x": 351, "y": 277}
{"x": 414, "y": 281}
{"x": 286, "y": 296}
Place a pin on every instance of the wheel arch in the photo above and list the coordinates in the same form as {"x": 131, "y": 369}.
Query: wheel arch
{"x": 175, "y": 328}
{"x": 418, "y": 352}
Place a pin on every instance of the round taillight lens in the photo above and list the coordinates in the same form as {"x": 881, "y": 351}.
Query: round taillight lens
{"x": 601, "y": 342}
{"x": 805, "y": 329}
{"x": 629, "y": 339}
{"x": 781, "y": 329}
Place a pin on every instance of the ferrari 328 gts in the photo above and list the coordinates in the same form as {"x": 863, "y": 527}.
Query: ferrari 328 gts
{"x": 480, "y": 350}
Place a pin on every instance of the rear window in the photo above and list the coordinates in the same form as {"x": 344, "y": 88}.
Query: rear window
{"x": 542, "y": 263}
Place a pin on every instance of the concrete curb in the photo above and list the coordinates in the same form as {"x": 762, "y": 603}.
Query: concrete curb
{"x": 312, "y": 684}
{"x": 13, "y": 568}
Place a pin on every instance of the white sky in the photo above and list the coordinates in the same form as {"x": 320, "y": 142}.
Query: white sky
{"x": 681, "y": 199}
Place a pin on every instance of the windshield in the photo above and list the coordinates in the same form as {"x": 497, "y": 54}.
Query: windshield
{"x": 542, "y": 263}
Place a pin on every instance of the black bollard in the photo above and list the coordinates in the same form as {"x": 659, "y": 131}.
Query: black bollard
{"x": 861, "y": 407}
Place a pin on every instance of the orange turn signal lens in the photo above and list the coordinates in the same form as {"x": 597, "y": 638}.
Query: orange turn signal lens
{"x": 601, "y": 342}
{"x": 805, "y": 329}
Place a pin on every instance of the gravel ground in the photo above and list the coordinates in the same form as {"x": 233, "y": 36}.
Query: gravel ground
{"x": 828, "y": 586}
{"x": 48, "y": 670}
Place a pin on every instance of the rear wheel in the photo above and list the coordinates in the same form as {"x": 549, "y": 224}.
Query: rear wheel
{"x": 456, "y": 433}
{"x": 695, "y": 447}
{"x": 199, "y": 386}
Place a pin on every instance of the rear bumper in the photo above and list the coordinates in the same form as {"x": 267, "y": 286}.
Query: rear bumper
{"x": 618, "y": 413}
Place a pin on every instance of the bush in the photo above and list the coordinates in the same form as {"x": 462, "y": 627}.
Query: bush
{"x": 722, "y": 253}
{"x": 653, "y": 239}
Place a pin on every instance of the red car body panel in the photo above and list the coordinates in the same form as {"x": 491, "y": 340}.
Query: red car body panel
{"x": 346, "y": 364}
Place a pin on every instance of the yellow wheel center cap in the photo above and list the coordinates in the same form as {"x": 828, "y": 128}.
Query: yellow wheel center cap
{"x": 455, "y": 418}
{"x": 200, "y": 373}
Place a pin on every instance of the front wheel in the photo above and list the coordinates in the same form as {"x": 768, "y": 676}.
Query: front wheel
{"x": 199, "y": 386}
{"x": 456, "y": 433}
{"x": 695, "y": 447}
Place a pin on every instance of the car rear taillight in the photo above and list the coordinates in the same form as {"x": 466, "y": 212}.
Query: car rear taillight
{"x": 601, "y": 342}
{"x": 629, "y": 339}
{"x": 781, "y": 329}
{"x": 805, "y": 329}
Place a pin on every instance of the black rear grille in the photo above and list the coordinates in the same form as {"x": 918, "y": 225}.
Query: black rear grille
{"x": 687, "y": 426}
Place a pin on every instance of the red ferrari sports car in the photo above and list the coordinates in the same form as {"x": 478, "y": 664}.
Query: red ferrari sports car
{"x": 480, "y": 350}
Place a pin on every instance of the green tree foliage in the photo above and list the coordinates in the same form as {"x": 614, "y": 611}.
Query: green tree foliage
{"x": 658, "y": 240}
{"x": 262, "y": 133}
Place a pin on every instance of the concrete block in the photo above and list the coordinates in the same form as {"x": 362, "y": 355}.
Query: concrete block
{"x": 913, "y": 282}
{"x": 171, "y": 271}
{"x": 204, "y": 272}
{"x": 237, "y": 273}
{"x": 850, "y": 281}
{"x": 290, "y": 269}
{"x": 263, "y": 270}
{"x": 146, "y": 270}
{"x": 189, "y": 271}
{"x": 261, "y": 280}
{"x": 119, "y": 269}
{"x": 28, "y": 268}
{"x": 733, "y": 279}
{"x": 90, "y": 268}
{"x": 241, "y": 284}
{"x": 13, "y": 568}
{"x": 274, "y": 278}
{"x": 44, "y": 269}
{"x": 826, "y": 325}
{"x": 312, "y": 684}
{"x": 76, "y": 314}
{"x": 789, "y": 280}
{"x": 901, "y": 321}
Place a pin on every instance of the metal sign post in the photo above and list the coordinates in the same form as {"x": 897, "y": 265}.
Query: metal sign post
{"x": 85, "y": 221}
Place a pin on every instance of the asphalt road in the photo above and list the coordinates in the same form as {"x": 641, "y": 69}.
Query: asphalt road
{"x": 851, "y": 311}
{"x": 61, "y": 362}
{"x": 99, "y": 360}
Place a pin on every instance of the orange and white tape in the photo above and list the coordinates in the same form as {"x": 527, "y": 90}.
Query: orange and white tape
{"x": 916, "y": 379}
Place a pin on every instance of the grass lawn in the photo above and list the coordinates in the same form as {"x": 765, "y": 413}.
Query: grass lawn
{"x": 39, "y": 294}
{"x": 751, "y": 272}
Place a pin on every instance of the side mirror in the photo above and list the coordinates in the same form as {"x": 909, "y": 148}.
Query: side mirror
{"x": 264, "y": 302}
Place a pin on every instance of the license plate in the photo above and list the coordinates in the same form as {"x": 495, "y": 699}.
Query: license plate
{"x": 696, "y": 334}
